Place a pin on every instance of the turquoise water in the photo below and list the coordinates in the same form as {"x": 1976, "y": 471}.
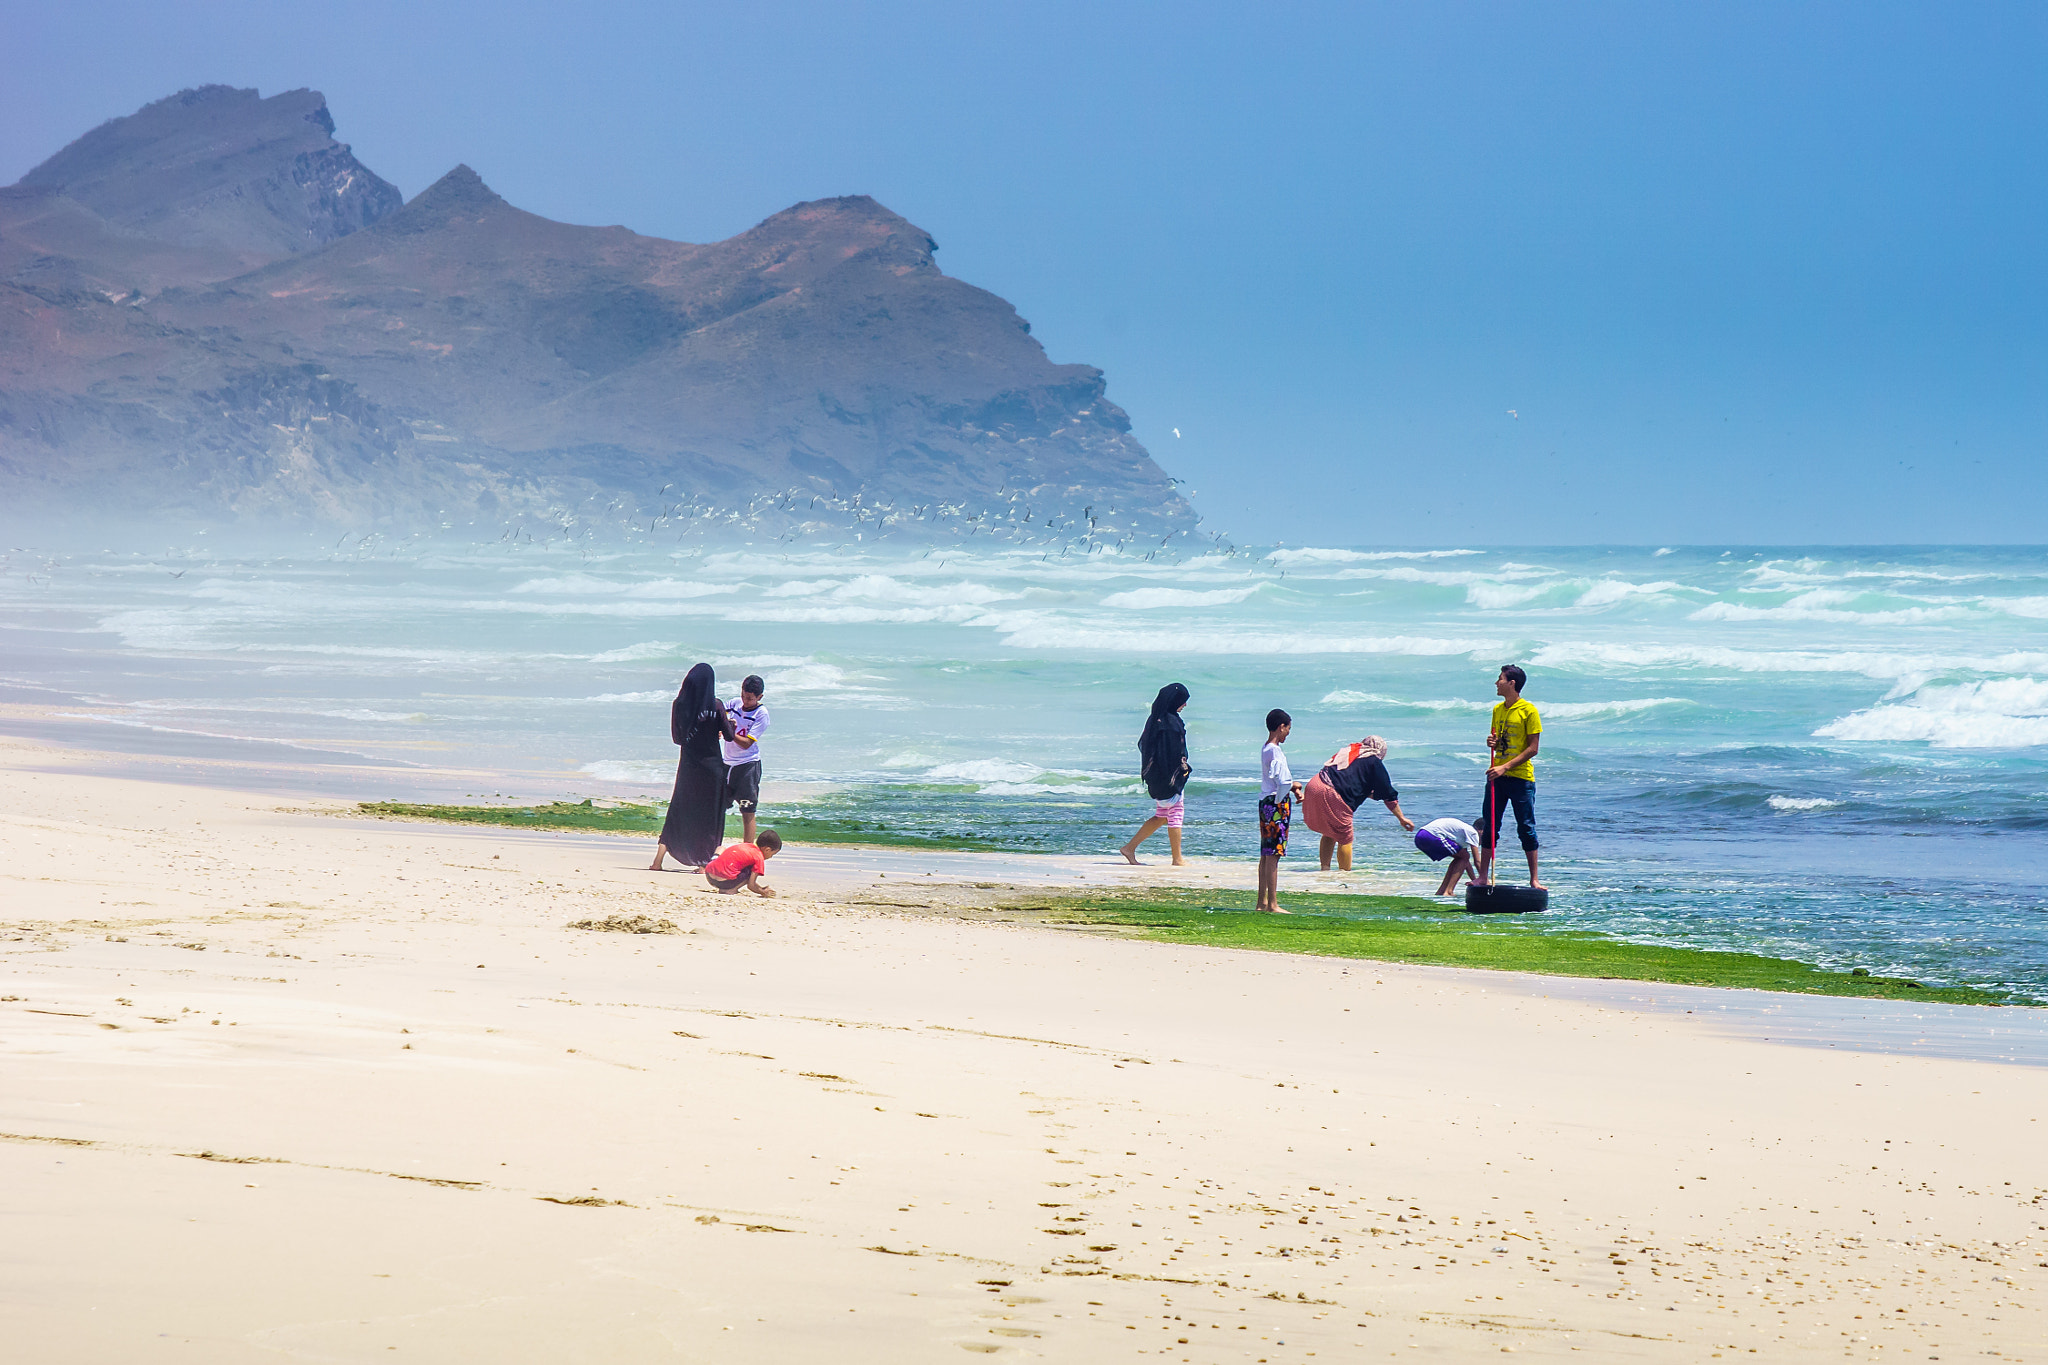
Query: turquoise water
{"x": 1837, "y": 755}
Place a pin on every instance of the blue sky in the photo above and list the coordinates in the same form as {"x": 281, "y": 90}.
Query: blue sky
{"x": 1747, "y": 273}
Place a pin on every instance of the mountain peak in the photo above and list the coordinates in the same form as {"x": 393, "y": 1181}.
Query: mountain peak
{"x": 460, "y": 188}
{"x": 220, "y": 166}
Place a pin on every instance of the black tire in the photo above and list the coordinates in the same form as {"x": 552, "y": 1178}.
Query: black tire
{"x": 1506, "y": 900}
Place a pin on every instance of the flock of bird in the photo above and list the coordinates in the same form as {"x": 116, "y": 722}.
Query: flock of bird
{"x": 795, "y": 516}
{"x": 1011, "y": 520}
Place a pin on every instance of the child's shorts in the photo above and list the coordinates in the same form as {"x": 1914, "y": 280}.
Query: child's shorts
{"x": 725, "y": 884}
{"x": 743, "y": 786}
{"x": 1276, "y": 813}
{"x": 1435, "y": 845}
{"x": 1172, "y": 812}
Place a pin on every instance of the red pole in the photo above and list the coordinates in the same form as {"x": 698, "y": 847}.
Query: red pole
{"x": 1492, "y": 833}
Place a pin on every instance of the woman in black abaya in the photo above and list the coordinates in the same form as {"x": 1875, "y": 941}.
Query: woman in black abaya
{"x": 1163, "y": 763}
{"x": 696, "y": 813}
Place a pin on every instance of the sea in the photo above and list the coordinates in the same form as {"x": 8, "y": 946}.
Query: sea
{"x": 1836, "y": 755}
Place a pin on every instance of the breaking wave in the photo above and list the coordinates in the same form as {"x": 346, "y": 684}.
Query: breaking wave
{"x": 2003, "y": 713}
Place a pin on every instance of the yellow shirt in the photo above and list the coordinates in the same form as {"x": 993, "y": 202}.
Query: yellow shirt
{"x": 1521, "y": 724}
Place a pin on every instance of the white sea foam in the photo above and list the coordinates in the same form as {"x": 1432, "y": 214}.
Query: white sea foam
{"x": 1563, "y": 710}
{"x": 1490, "y": 596}
{"x": 984, "y": 770}
{"x": 1583, "y": 654}
{"x": 131, "y": 723}
{"x": 1347, "y": 697}
{"x": 1314, "y": 556}
{"x": 874, "y": 587}
{"x": 1608, "y": 591}
{"x": 1774, "y": 575}
{"x": 1178, "y": 597}
{"x": 1797, "y": 803}
{"x": 588, "y": 585}
{"x": 623, "y": 698}
{"x": 1601, "y": 710}
{"x": 1663, "y": 550}
{"x": 643, "y": 652}
{"x": 639, "y": 772}
{"x": 1990, "y": 714}
{"x": 1942, "y": 729}
{"x": 1831, "y": 605}
{"x": 1061, "y": 633}
{"x": 1444, "y": 578}
{"x": 1006, "y": 777}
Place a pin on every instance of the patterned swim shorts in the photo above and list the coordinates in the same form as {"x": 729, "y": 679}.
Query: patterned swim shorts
{"x": 1276, "y": 813}
{"x": 1173, "y": 812}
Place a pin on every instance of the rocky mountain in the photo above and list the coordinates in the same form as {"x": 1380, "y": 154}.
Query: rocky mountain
{"x": 211, "y": 306}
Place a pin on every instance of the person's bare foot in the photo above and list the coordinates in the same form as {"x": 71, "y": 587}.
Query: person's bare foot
{"x": 655, "y": 866}
{"x": 1276, "y": 910}
{"x": 1180, "y": 862}
{"x": 1130, "y": 856}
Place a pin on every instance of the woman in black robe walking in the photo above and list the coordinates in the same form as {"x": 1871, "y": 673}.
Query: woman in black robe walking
{"x": 1163, "y": 763}
{"x": 695, "y": 825}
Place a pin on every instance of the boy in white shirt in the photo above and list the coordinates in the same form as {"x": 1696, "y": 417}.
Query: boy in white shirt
{"x": 1278, "y": 791}
{"x": 743, "y": 757}
{"x": 1453, "y": 839}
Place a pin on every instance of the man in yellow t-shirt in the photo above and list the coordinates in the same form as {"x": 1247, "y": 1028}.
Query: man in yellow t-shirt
{"x": 1516, "y": 734}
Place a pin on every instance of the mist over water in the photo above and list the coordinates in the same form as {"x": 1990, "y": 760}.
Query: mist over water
{"x": 1837, "y": 755}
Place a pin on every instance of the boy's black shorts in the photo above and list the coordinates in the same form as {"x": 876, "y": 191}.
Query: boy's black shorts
{"x": 743, "y": 786}
{"x": 724, "y": 883}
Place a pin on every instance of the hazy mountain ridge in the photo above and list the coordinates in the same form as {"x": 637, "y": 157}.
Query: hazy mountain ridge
{"x": 211, "y": 306}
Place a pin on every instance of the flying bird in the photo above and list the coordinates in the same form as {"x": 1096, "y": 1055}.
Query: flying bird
{"x": 1176, "y": 432}
{"x": 1516, "y": 415}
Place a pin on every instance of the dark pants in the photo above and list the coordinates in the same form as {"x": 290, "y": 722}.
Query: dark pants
{"x": 1520, "y": 793}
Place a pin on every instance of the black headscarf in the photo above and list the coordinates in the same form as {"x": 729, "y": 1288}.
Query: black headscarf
{"x": 1163, "y": 744}
{"x": 698, "y": 695}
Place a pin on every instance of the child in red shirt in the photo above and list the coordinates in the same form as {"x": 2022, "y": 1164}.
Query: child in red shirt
{"x": 739, "y": 865}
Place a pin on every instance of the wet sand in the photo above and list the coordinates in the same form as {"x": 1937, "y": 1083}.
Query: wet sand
{"x": 280, "y": 1083}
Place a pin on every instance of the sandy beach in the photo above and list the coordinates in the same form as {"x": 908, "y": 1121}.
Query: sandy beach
{"x": 281, "y": 1083}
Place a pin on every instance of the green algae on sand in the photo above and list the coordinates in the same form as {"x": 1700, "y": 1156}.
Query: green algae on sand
{"x": 620, "y": 817}
{"x": 625, "y": 817}
{"x": 1434, "y": 933}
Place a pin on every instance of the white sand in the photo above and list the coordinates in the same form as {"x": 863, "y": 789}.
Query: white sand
{"x": 285, "y": 1086}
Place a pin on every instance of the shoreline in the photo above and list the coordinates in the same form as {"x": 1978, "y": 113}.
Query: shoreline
{"x": 1321, "y": 922}
{"x": 911, "y": 1121}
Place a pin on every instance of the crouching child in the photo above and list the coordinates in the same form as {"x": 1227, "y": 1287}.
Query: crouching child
{"x": 741, "y": 865}
{"x": 1453, "y": 839}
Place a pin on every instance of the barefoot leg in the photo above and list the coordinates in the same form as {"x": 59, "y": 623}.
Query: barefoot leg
{"x": 1145, "y": 831}
{"x": 1173, "y": 838}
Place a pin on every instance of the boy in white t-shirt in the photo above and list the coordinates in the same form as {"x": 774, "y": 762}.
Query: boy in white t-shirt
{"x": 1453, "y": 839}
{"x": 743, "y": 757}
{"x": 1278, "y": 791}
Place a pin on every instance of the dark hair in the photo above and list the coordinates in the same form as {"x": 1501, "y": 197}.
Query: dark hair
{"x": 1276, "y": 718}
{"x": 769, "y": 841}
{"x": 752, "y": 683}
{"x": 1514, "y": 674}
